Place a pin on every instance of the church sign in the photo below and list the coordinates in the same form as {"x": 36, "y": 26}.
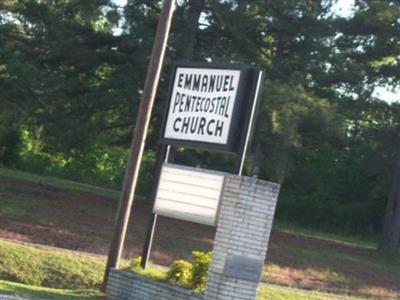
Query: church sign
{"x": 208, "y": 105}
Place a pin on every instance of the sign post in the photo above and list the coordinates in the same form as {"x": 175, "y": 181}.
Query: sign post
{"x": 162, "y": 157}
{"x": 139, "y": 138}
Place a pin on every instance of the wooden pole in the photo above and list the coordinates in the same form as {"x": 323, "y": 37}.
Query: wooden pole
{"x": 139, "y": 138}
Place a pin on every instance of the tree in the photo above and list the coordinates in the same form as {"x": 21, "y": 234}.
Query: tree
{"x": 391, "y": 227}
{"x": 376, "y": 28}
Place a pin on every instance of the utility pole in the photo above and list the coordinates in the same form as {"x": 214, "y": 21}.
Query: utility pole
{"x": 139, "y": 139}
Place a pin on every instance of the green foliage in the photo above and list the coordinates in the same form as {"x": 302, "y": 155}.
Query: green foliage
{"x": 151, "y": 272}
{"x": 297, "y": 119}
{"x": 180, "y": 272}
{"x": 46, "y": 268}
{"x": 102, "y": 166}
{"x": 10, "y": 146}
{"x": 135, "y": 263}
{"x": 201, "y": 264}
{"x": 189, "y": 274}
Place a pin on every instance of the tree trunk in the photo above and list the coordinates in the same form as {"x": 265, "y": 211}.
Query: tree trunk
{"x": 192, "y": 26}
{"x": 391, "y": 226}
{"x": 256, "y": 160}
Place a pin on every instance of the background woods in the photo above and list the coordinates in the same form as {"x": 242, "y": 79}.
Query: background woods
{"x": 71, "y": 74}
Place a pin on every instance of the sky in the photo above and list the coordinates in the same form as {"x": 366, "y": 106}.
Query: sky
{"x": 343, "y": 8}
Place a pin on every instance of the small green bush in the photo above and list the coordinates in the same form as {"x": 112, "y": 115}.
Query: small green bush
{"x": 192, "y": 275}
{"x": 151, "y": 273}
{"x": 135, "y": 263}
{"x": 180, "y": 272}
{"x": 201, "y": 264}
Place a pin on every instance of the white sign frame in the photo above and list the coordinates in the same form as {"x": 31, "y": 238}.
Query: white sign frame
{"x": 181, "y": 194}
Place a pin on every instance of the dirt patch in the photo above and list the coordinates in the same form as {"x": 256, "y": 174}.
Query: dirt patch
{"x": 84, "y": 222}
{"x": 32, "y": 212}
{"x": 313, "y": 263}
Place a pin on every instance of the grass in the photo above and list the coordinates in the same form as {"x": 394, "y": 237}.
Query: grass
{"x": 153, "y": 272}
{"x": 12, "y": 207}
{"x": 298, "y": 257}
{"x": 387, "y": 263}
{"x": 77, "y": 276}
{"x": 381, "y": 263}
{"x": 34, "y": 292}
{"x": 334, "y": 267}
{"x": 264, "y": 292}
{"x": 369, "y": 241}
{"x": 280, "y": 293}
{"x": 40, "y": 267}
{"x": 59, "y": 183}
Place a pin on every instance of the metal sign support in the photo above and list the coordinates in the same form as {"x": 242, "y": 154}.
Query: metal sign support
{"x": 249, "y": 121}
{"x": 163, "y": 155}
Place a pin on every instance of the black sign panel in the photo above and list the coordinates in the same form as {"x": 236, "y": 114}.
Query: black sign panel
{"x": 210, "y": 105}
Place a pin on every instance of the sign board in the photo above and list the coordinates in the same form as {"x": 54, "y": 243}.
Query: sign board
{"x": 209, "y": 104}
{"x": 190, "y": 194}
{"x": 242, "y": 267}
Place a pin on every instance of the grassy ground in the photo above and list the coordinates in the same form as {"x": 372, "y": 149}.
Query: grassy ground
{"x": 58, "y": 183}
{"x": 281, "y": 293}
{"x": 36, "y": 272}
{"x": 32, "y": 268}
{"x": 35, "y": 292}
{"x": 369, "y": 240}
{"x": 80, "y": 217}
{"x": 49, "y": 268}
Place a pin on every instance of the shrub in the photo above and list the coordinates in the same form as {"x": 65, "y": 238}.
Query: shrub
{"x": 201, "y": 264}
{"x": 187, "y": 274}
{"x": 149, "y": 272}
{"x": 135, "y": 263}
{"x": 180, "y": 273}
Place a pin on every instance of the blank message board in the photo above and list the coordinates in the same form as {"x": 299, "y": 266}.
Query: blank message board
{"x": 190, "y": 194}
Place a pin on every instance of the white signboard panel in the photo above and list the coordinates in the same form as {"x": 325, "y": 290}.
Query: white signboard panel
{"x": 202, "y": 104}
{"x": 189, "y": 194}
